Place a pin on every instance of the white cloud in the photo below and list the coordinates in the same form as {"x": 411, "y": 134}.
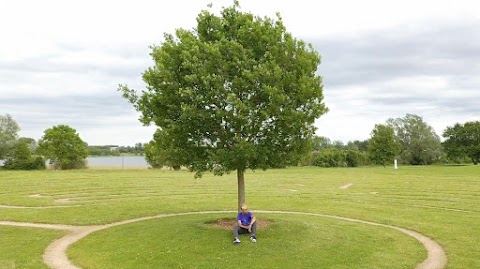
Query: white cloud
{"x": 61, "y": 61}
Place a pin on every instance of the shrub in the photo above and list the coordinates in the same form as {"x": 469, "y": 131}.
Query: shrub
{"x": 37, "y": 163}
{"x": 330, "y": 158}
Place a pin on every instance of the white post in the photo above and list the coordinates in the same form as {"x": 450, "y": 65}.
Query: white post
{"x": 395, "y": 164}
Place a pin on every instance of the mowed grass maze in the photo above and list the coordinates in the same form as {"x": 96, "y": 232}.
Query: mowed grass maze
{"x": 440, "y": 202}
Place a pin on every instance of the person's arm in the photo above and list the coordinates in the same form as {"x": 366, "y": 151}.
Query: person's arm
{"x": 249, "y": 227}
{"x": 240, "y": 224}
{"x": 239, "y": 221}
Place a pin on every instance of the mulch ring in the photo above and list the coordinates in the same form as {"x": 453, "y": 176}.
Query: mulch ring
{"x": 227, "y": 224}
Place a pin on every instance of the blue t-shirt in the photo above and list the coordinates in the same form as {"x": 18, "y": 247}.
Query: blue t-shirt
{"x": 245, "y": 219}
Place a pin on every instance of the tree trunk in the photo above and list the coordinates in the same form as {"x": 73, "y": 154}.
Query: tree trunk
{"x": 241, "y": 188}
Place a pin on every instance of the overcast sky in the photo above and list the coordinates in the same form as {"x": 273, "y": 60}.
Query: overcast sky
{"x": 61, "y": 61}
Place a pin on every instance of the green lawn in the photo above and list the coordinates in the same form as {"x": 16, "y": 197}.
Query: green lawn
{"x": 438, "y": 201}
{"x": 290, "y": 242}
{"x": 23, "y": 247}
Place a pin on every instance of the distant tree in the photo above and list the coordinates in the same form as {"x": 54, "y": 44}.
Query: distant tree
{"x": 351, "y": 146}
{"x": 330, "y": 157}
{"x": 321, "y": 142}
{"x": 104, "y": 150}
{"x": 63, "y": 145}
{"x": 361, "y": 146}
{"x": 382, "y": 146}
{"x": 338, "y": 144}
{"x": 20, "y": 154}
{"x": 463, "y": 140}
{"x": 8, "y": 135}
{"x": 22, "y": 158}
{"x": 418, "y": 143}
{"x": 355, "y": 158}
{"x": 125, "y": 149}
{"x": 32, "y": 144}
{"x": 335, "y": 154}
{"x": 139, "y": 149}
{"x": 96, "y": 151}
{"x": 237, "y": 92}
{"x": 318, "y": 142}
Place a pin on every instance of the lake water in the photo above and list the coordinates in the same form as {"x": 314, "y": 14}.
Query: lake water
{"x": 114, "y": 162}
{"x": 118, "y": 162}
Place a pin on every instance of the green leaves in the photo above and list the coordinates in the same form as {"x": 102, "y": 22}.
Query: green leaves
{"x": 62, "y": 145}
{"x": 8, "y": 134}
{"x": 382, "y": 147}
{"x": 463, "y": 140}
{"x": 236, "y": 93}
{"x": 417, "y": 141}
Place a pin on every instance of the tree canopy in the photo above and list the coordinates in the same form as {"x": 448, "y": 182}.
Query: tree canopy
{"x": 417, "y": 141}
{"x": 463, "y": 140}
{"x": 21, "y": 157}
{"x": 382, "y": 147}
{"x": 237, "y": 92}
{"x": 8, "y": 135}
{"x": 64, "y": 147}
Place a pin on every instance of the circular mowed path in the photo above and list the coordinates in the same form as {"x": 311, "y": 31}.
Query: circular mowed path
{"x": 55, "y": 256}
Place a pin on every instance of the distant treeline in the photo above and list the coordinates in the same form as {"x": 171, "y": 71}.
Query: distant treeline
{"x": 114, "y": 150}
{"x": 409, "y": 140}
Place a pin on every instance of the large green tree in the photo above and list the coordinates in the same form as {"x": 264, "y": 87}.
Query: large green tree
{"x": 8, "y": 135}
{"x": 64, "y": 147}
{"x": 237, "y": 92}
{"x": 417, "y": 141}
{"x": 463, "y": 140}
{"x": 382, "y": 146}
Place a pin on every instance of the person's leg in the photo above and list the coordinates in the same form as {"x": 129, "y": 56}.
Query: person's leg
{"x": 235, "y": 230}
{"x": 236, "y": 240}
{"x": 254, "y": 229}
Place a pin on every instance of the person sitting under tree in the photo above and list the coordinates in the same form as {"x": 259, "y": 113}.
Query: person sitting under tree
{"x": 246, "y": 223}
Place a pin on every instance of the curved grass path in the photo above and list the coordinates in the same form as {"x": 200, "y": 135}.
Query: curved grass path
{"x": 55, "y": 255}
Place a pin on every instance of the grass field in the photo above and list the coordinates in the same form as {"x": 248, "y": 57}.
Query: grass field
{"x": 440, "y": 202}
